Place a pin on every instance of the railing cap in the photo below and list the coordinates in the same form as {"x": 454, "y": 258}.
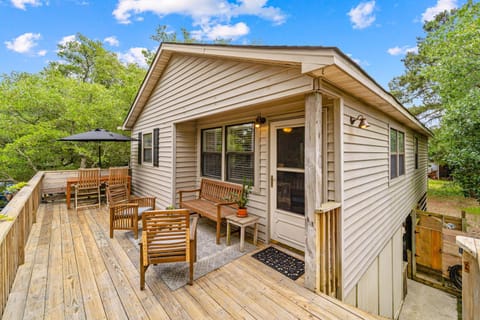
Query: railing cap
{"x": 470, "y": 245}
{"x": 328, "y": 206}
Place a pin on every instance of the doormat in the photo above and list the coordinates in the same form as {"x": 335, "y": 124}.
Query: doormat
{"x": 282, "y": 262}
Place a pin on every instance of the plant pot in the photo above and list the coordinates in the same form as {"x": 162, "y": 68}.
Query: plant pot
{"x": 242, "y": 212}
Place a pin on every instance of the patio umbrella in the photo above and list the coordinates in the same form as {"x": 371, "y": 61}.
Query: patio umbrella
{"x": 97, "y": 135}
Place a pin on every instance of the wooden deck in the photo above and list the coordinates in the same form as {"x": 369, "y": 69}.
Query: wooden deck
{"x": 73, "y": 270}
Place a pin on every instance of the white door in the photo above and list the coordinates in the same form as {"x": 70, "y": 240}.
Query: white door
{"x": 287, "y": 182}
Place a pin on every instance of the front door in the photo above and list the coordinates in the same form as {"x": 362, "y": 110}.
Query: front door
{"x": 287, "y": 183}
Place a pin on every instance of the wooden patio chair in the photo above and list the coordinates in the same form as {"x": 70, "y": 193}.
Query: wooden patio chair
{"x": 125, "y": 211}
{"x": 116, "y": 176}
{"x": 87, "y": 187}
{"x": 168, "y": 236}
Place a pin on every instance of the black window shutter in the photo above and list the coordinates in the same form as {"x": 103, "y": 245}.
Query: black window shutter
{"x": 139, "y": 153}
{"x": 155, "y": 147}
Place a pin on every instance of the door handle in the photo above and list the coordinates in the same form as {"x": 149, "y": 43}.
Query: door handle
{"x": 271, "y": 181}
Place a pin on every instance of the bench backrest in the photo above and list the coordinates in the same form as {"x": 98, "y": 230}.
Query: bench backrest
{"x": 219, "y": 191}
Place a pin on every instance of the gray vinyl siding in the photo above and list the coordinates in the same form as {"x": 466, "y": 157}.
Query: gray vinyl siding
{"x": 375, "y": 205}
{"x": 194, "y": 87}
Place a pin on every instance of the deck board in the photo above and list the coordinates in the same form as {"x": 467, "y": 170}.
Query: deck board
{"x": 73, "y": 270}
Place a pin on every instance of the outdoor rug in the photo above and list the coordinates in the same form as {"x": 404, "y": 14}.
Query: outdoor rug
{"x": 282, "y": 262}
{"x": 210, "y": 256}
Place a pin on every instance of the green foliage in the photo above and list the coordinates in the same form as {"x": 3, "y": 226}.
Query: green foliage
{"x": 444, "y": 188}
{"x": 242, "y": 199}
{"x": 90, "y": 89}
{"x": 445, "y": 76}
{"x": 16, "y": 187}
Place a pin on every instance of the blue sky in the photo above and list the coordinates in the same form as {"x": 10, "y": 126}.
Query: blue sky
{"x": 374, "y": 33}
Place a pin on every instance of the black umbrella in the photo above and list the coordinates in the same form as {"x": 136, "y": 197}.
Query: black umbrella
{"x": 97, "y": 135}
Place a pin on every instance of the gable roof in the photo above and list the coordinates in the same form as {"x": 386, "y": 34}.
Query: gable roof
{"x": 327, "y": 63}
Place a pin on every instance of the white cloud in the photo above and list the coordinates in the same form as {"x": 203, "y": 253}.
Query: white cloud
{"x": 441, "y": 6}
{"x": 212, "y": 16}
{"x": 67, "y": 39}
{"x": 42, "y": 53}
{"x": 395, "y": 51}
{"x": 222, "y": 31}
{"x": 362, "y": 15}
{"x": 133, "y": 55}
{"x": 358, "y": 61}
{"x": 20, "y": 4}
{"x": 113, "y": 41}
{"x": 23, "y": 43}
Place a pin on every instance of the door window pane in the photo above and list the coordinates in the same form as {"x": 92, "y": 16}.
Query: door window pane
{"x": 290, "y": 148}
{"x": 291, "y": 192}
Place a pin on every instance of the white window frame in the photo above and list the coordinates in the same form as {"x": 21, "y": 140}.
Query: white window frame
{"x": 397, "y": 153}
{"x": 255, "y": 152}
{"x": 145, "y": 148}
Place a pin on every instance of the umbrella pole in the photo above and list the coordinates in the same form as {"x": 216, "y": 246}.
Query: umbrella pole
{"x": 99, "y": 156}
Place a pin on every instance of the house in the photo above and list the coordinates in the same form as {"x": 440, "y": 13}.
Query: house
{"x": 291, "y": 119}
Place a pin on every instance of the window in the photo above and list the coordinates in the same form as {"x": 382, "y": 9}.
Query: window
{"x": 147, "y": 147}
{"x": 239, "y": 152}
{"x": 397, "y": 153}
{"x": 212, "y": 153}
{"x": 415, "y": 146}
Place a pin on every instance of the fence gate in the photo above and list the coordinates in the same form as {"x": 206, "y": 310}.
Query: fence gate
{"x": 428, "y": 239}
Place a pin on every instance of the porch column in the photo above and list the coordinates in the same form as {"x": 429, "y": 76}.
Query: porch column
{"x": 313, "y": 181}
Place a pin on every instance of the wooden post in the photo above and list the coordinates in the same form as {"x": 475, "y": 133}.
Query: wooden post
{"x": 313, "y": 181}
{"x": 470, "y": 277}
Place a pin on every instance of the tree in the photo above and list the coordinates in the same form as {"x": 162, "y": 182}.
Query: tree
{"x": 163, "y": 35}
{"x": 89, "y": 89}
{"x": 447, "y": 70}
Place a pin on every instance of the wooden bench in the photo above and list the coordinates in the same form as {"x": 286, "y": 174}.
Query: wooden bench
{"x": 213, "y": 200}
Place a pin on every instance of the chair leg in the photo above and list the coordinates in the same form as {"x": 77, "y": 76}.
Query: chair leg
{"x": 142, "y": 269}
{"x": 219, "y": 225}
{"x": 135, "y": 227}
{"x": 191, "y": 271}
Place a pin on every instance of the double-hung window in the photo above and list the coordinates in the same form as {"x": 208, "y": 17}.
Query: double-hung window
{"x": 147, "y": 147}
{"x": 239, "y": 153}
{"x": 228, "y": 150}
{"x": 212, "y": 153}
{"x": 397, "y": 153}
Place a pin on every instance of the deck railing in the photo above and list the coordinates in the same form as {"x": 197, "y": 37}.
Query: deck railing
{"x": 328, "y": 248}
{"x": 14, "y": 234}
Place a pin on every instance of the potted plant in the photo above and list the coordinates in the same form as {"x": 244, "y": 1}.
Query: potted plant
{"x": 242, "y": 199}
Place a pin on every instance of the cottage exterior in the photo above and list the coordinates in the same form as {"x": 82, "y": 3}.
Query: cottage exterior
{"x": 194, "y": 116}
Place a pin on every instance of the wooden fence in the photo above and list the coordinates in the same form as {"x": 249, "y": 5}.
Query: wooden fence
{"x": 328, "y": 249}
{"x": 14, "y": 234}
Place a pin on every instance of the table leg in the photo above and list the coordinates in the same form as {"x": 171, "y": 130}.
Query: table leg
{"x": 242, "y": 238}
{"x": 255, "y": 234}
{"x": 228, "y": 233}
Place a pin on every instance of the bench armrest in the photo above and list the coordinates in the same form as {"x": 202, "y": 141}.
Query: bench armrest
{"x": 224, "y": 203}
{"x": 181, "y": 192}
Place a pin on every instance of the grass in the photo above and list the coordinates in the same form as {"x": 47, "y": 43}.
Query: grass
{"x": 446, "y": 197}
{"x": 444, "y": 188}
{"x": 472, "y": 210}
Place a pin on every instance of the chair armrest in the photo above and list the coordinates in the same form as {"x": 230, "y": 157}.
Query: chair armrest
{"x": 193, "y": 228}
{"x": 144, "y": 202}
{"x": 123, "y": 205}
